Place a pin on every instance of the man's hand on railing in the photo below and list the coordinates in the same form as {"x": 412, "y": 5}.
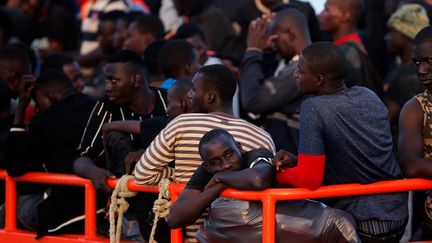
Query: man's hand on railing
{"x": 284, "y": 159}
{"x": 99, "y": 178}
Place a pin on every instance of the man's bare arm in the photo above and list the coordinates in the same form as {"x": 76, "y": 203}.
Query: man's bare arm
{"x": 411, "y": 141}
{"x": 191, "y": 204}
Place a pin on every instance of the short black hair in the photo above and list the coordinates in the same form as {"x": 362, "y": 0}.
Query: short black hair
{"x": 13, "y": 57}
{"x": 188, "y": 30}
{"x": 174, "y": 55}
{"x": 355, "y": 7}
{"x": 132, "y": 58}
{"x": 220, "y": 79}
{"x": 149, "y": 23}
{"x": 5, "y": 95}
{"x": 151, "y": 54}
{"x": 31, "y": 55}
{"x": 56, "y": 61}
{"x": 127, "y": 56}
{"x": 291, "y": 17}
{"x": 425, "y": 35}
{"x": 327, "y": 59}
{"x": 132, "y": 15}
{"x": 55, "y": 82}
{"x": 210, "y": 136}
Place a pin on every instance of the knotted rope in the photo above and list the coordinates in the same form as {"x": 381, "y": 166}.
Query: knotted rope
{"x": 161, "y": 205}
{"x": 119, "y": 206}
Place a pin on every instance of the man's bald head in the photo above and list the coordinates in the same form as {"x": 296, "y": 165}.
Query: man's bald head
{"x": 354, "y": 7}
{"x": 290, "y": 26}
{"x": 327, "y": 59}
{"x": 290, "y": 19}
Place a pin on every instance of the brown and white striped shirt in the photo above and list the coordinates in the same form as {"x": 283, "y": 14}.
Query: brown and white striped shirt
{"x": 179, "y": 142}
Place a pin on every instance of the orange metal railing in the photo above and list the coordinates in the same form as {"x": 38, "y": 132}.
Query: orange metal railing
{"x": 12, "y": 234}
{"x": 59, "y": 179}
{"x": 268, "y": 197}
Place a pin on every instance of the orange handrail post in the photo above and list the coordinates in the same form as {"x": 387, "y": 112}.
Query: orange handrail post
{"x": 176, "y": 234}
{"x": 11, "y": 204}
{"x": 90, "y": 212}
{"x": 269, "y": 212}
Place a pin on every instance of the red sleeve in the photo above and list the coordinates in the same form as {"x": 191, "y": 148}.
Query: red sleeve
{"x": 308, "y": 173}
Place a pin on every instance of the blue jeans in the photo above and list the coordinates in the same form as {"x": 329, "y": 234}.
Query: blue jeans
{"x": 26, "y": 210}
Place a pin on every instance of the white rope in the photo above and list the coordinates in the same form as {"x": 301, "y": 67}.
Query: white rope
{"x": 161, "y": 205}
{"x": 118, "y": 207}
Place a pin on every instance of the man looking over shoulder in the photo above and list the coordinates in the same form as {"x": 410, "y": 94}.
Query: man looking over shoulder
{"x": 345, "y": 138}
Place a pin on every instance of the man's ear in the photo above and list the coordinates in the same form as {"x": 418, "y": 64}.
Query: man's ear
{"x": 136, "y": 80}
{"x": 206, "y": 166}
{"x": 52, "y": 97}
{"x": 320, "y": 80}
{"x": 346, "y": 16}
{"x": 148, "y": 38}
{"x": 240, "y": 147}
{"x": 210, "y": 97}
{"x": 291, "y": 35}
{"x": 188, "y": 68}
{"x": 183, "y": 105}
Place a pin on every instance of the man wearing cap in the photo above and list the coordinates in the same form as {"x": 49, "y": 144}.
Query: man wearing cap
{"x": 402, "y": 81}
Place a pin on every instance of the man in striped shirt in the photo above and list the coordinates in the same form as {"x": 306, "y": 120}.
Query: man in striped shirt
{"x": 211, "y": 95}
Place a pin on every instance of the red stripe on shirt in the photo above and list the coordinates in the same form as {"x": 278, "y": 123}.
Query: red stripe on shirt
{"x": 308, "y": 173}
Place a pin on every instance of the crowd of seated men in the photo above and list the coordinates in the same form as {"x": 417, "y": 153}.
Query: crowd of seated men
{"x": 250, "y": 95}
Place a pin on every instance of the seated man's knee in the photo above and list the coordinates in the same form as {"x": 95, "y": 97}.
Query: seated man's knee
{"x": 114, "y": 138}
{"x": 27, "y": 209}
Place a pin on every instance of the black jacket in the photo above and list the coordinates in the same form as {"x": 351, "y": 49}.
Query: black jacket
{"x": 50, "y": 145}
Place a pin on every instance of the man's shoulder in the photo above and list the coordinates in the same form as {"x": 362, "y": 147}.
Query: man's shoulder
{"x": 317, "y": 103}
{"x": 363, "y": 92}
{"x": 288, "y": 70}
{"x": 106, "y": 104}
{"x": 188, "y": 120}
{"x": 188, "y": 116}
{"x": 159, "y": 91}
{"x": 73, "y": 105}
{"x": 312, "y": 102}
{"x": 252, "y": 155}
{"x": 208, "y": 119}
{"x": 83, "y": 100}
{"x": 351, "y": 50}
